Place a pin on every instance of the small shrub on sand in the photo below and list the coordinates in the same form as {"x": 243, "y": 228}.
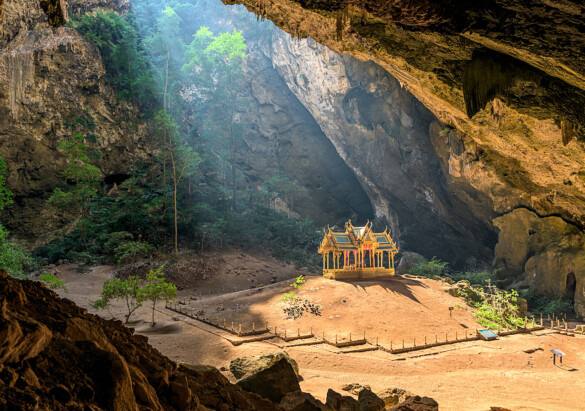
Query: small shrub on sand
{"x": 295, "y": 307}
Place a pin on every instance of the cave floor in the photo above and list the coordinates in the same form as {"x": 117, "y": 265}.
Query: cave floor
{"x": 473, "y": 375}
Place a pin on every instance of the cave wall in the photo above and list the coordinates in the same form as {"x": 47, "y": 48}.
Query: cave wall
{"x": 507, "y": 79}
{"x": 281, "y": 134}
{"x": 49, "y": 75}
{"x": 383, "y": 133}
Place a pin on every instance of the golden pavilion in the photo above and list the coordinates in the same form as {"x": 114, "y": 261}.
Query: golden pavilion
{"x": 357, "y": 253}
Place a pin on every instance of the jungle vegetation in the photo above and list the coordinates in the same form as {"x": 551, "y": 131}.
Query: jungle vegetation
{"x": 188, "y": 85}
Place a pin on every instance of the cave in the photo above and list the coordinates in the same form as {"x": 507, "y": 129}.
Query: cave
{"x": 570, "y": 286}
{"x": 117, "y": 179}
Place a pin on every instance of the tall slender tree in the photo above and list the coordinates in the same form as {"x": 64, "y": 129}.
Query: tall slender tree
{"x": 217, "y": 67}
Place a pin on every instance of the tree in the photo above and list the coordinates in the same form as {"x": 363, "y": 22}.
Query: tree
{"x": 129, "y": 290}
{"x": 167, "y": 49}
{"x": 157, "y": 289}
{"x": 183, "y": 159}
{"x": 216, "y": 65}
{"x": 280, "y": 185}
{"x": 83, "y": 175}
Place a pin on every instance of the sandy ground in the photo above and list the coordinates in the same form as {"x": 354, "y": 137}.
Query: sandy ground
{"x": 473, "y": 375}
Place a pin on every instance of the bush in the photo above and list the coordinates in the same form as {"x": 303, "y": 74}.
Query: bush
{"x": 14, "y": 257}
{"x": 541, "y": 304}
{"x": 52, "y": 282}
{"x": 498, "y": 308}
{"x": 482, "y": 277}
{"x": 429, "y": 268}
{"x": 129, "y": 251}
{"x": 294, "y": 307}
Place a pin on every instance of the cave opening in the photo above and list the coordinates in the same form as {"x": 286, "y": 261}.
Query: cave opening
{"x": 117, "y": 179}
{"x": 570, "y": 286}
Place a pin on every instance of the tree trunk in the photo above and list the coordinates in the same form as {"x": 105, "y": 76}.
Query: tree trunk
{"x": 176, "y": 228}
{"x": 153, "y": 305}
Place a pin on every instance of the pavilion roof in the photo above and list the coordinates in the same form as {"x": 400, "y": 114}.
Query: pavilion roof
{"x": 354, "y": 237}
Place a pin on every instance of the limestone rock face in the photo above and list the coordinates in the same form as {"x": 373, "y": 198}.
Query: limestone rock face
{"x": 384, "y": 135}
{"x": 280, "y": 134}
{"x": 49, "y": 75}
{"x": 548, "y": 252}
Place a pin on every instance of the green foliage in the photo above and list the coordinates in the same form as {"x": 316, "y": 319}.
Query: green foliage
{"x": 428, "y": 268}
{"x": 80, "y": 175}
{"x": 14, "y": 257}
{"x": 291, "y": 297}
{"x": 293, "y": 306}
{"x": 126, "y": 64}
{"x": 5, "y": 194}
{"x": 189, "y": 190}
{"x": 129, "y": 290}
{"x": 157, "y": 289}
{"x": 130, "y": 250}
{"x": 53, "y": 282}
{"x": 481, "y": 277}
{"x": 444, "y": 131}
{"x": 216, "y": 66}
{"x": 498, "y": 308}
{"x": 541, "y": 304}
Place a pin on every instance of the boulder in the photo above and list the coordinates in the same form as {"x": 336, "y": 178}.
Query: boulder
{"x": 247, "y": 366}
{"x": 341, "y": 402}
{"x": 368, "y": 401}
{"x": 408, "y": 260}
{"x": 273, "y": 382}
{"x": 393, "y": 396}
{"x": 302, "y": 401}
{"x": 522, "y": 306}
{"x": 355, "y": 387}
{"x": 417, "y": 403}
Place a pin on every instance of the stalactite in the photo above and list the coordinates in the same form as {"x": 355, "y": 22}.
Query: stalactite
{"x": 567, "y": 131}
{"x": 341, "y": 19}
{"x": 260, "y": 9}
{"x": 56, "y": 10}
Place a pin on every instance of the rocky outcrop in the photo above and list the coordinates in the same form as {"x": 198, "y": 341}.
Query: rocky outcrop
{"x": 246, "y": 366}
{"x": 548, "y": 252}
{"x": 504, "y": 99}
{"x": 49, "y": 75}
{"x": 273, "y": 382}
{"x": 53, "y": 355}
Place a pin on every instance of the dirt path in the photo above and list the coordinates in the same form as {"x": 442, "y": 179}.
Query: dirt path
{"x": 474, "y": 375}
